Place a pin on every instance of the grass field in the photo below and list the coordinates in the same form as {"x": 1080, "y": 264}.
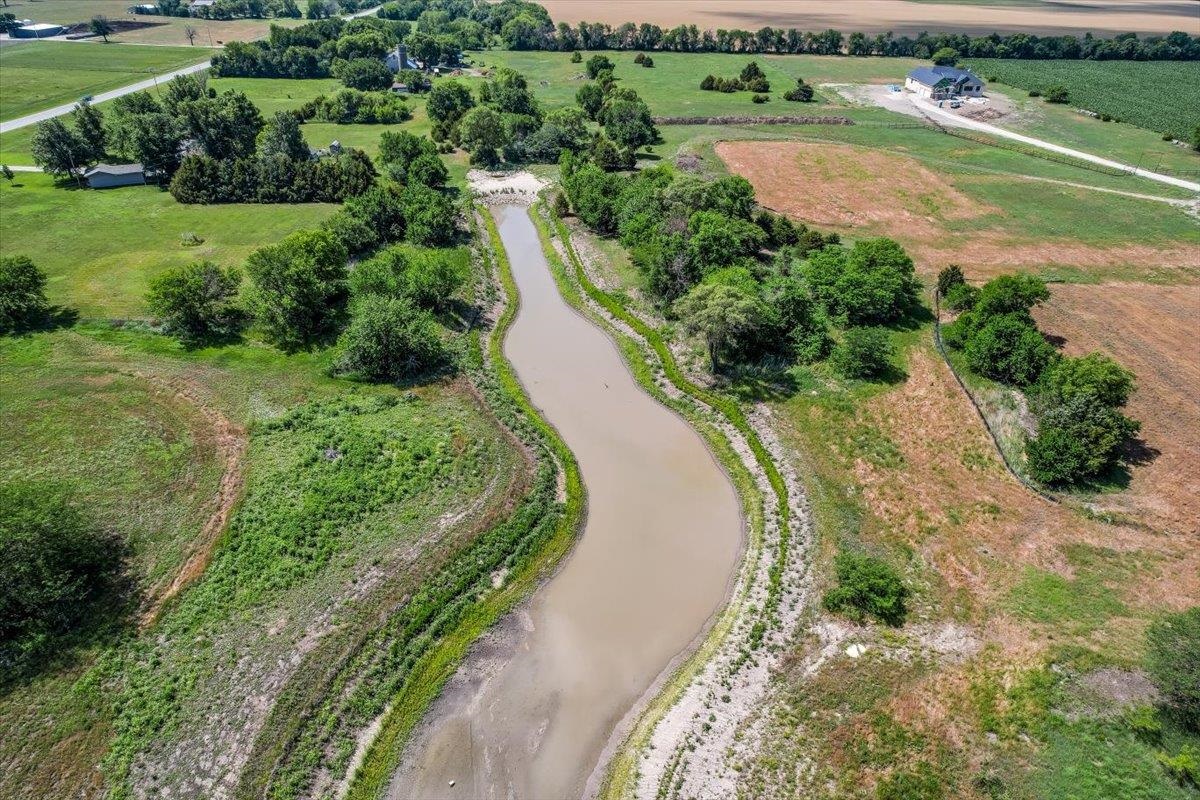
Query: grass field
{"x": 672, "y": 86}
{"x": 41, "y": 75}
{"x": 1161, "y": 96}
{"x": 159, "y": 30}
{"x": 100, "y": 248}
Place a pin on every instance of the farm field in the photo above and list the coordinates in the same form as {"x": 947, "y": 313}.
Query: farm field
{"x": 1161, "y": 96}
{"x": 994, "y": 223}
{"x": 100, "y": 248}
{"x": 40, "y": 75}
{"x": 1152, "y": 331}
{"x": 159, "y": 30}
{"x": 900, "y": 16}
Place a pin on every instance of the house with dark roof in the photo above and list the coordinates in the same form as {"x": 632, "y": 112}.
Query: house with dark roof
{"x": 942, "y": 83}
{"x": 106, "y": 176}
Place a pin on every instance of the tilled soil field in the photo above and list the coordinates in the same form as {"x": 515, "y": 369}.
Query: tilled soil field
{"x": 898, "y": 16}
{"x": 1154, "y": 331}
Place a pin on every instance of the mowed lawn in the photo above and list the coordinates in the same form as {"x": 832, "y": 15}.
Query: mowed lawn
{"x": 100, "y": 248}
{"x": 672, "y": 86}
{"x": 41, "y": 75}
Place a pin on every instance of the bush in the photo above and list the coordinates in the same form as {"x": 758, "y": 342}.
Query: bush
{"x": 298, "y": 288}
{"x": 648, "y": 62}
{"x": 389, "y": 339}
{"x": 872, "y": 283}
{"x": 22, "y": 294}
{"x": 196, "y": 302}
{"x": 428, "y": 171}
{"x": 863, "y": 353}
{"x": 803, "y": 93}
{"x": 867, "y": 586}
{"x": 1010, "y": 350}
{"x": 352, "y": 106}
{"x": 1056, "y": 93}
{"x": 1184, "y": 767}
{"x": 760, "y": 98}
{"x": 1078, "y": 440}
{"x": 55, "y": 564}
{"x": 948, "y": 278}
{"x": 576, "y": 57}
{"x": 429, "y": 215}
{"x": 425, "y": 278}
{"x": 1173, "y": 659}
{"x": 597, "y": 64}
{"x": 961, "y": 297}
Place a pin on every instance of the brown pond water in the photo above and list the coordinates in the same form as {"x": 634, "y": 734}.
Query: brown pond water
{"x": 529, "y": 714}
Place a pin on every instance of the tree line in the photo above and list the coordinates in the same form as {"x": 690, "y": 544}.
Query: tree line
{"x": 1077, "y": 402}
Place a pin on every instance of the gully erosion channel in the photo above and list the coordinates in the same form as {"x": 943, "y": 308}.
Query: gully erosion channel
{"x": 530, "y": 713}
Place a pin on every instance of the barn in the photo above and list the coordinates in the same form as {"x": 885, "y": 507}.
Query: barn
{"x": 943, "y": 83}
{"x": 107, "y": 176}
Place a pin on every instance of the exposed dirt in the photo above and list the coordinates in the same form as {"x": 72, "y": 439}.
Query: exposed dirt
{"x": 974, "y": 523}
{"x": 229, "y": 440}
{"x": 1154, "y": 331}
{"x": 877, "y": 16}
{"x": 855, "y": 191}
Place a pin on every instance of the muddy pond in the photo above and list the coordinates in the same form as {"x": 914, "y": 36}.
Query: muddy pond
{"x": 530, "y": 713}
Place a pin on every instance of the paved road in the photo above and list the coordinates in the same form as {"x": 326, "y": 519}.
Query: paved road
{"x": 150, "y": 83}
{"x": 33, "y": 119}
{"x": 945, "y": 117}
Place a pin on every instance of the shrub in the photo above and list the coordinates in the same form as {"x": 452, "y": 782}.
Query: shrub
{"x": 639, "y": 58}
{"x": 196, "y": 301}
{"x": 708, "y": 83}
{"x": 948, "y": 278}
{"x": 425, "y": 278}
{"x": 389, "y": 339}
{"x": 597, "y": 64}
{"x": 802, "y": 93}
{"x": 863, "y": 353}
{"x": 648, "y": 62}
{"x": 298, "y": 288}
{"x": 22, "y": 294}
{"x": 1056, "y": 93}
{"x": 872, "y": 283}
{"x": 353, "y": 106}
{"x": 1009, "y": 349}
{"x": 1184, "y": 767}
{"x": 760, "y": 98}
{"x": 55, "y": 564}
{"x": 1035, "y": 93}
{"x": 576, "y": 57}
{"x": 867, "y": 586}
{"x": 1077, "y": 440}
{"x": 1173, "y": 659}
{"x": 428, "y": 171}
{"x": 961, "y": 297}
{"x": 401, "y": 148}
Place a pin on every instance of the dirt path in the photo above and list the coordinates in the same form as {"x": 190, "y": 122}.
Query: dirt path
{"x": 230, "y": 441}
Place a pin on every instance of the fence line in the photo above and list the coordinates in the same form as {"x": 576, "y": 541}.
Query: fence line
{"x": 995, "y": 437}
{"x": 750, "y": 119}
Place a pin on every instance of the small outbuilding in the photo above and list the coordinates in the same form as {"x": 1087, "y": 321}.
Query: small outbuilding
{"x": 37, "y": 30}
{"x": 108, "y": 176}
{"x": 943, "y": 83}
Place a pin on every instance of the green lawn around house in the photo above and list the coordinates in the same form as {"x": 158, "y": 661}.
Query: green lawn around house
{"x": 101, "y": 247}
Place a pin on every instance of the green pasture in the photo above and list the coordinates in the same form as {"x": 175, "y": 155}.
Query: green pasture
{"x": 101, "y": 247}
{"x": 41, "y": 75}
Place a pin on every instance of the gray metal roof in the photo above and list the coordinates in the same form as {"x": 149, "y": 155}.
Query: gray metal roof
{"x": 932, "y": 76}
{"x": 114, "y": 169}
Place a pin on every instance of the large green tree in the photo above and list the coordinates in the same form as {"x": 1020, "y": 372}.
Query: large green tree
{"x": 724, "y": 315}
{"x": 281, "y": 136}
{"x": 448, "y": 102}
{"x": 196, "y": 302}
{"x": 298, "y": 288}
{"x": 55, "y": 563}
{"x": 389, "y": 339}
{"x": 58, "y": 150}
{"x": 22, "y": 294}
{"x": 482, "y": 134}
